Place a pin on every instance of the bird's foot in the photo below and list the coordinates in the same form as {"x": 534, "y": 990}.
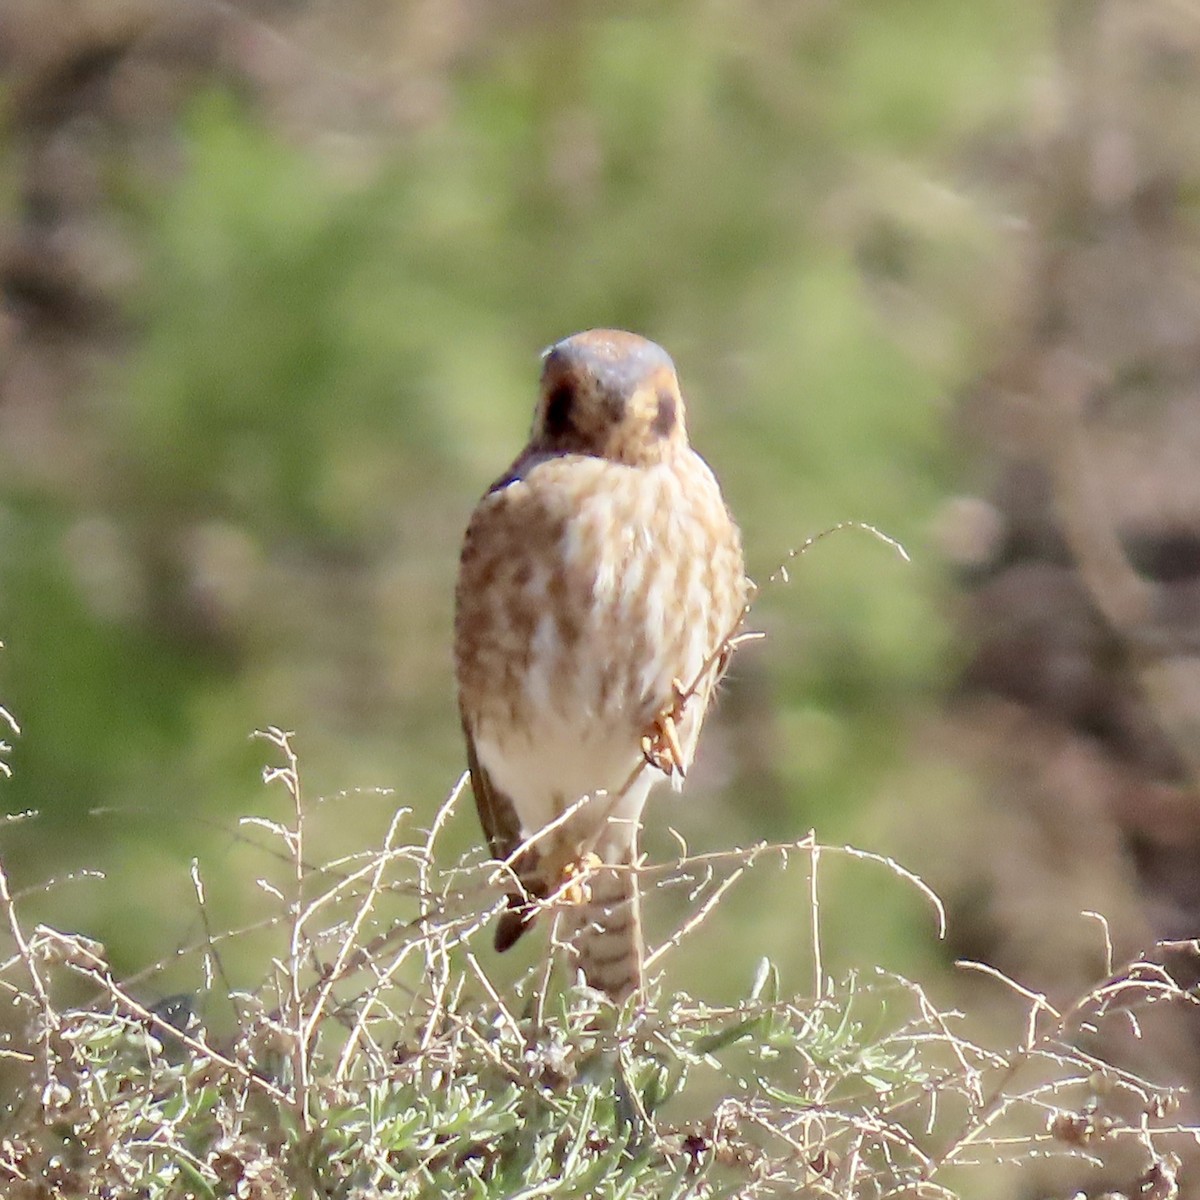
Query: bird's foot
{"x": 575, "y": 888}
{"x": 660, "y": 746}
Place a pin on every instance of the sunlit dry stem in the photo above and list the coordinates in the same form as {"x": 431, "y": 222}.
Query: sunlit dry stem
{"x": 1102, "y": 921}
{"x": 443, "y": 814}
{"x": 209, "y": 957}
{"x": 1187, "y": 945}
{"x": 1055, "y": 1046}
{"x": 783, "y": 849}
{"x": 872, "y": 1133}
{"x": 436, "y": 956}
{"x": 49, "y": 1018}
{"x": 508, "y": 864}
{"x": 363, "y": 954}
{"x": 492, "y": 1052}
{"x": 509, "y": 1020}
{"x": 6, "y": 747}
{"x": 6, "y": 718}
{"x": 350, "y": 940}
{"x": 971, "y": 1075}
{"x": 814, "y": 916}
{"x": 289, "y": 776}
{"x": 780, "y": 574}
{"x": 679, "y": 840}
{"x": 697, "y": 918}
{"x": 94, "y": 968}
{"x": 1038, "y": 1002}
{"x": 451, "y": 931}
{"x": 440, "y": 983}
{"x": 543, "y": 989}
{"x": 896, "y": 868}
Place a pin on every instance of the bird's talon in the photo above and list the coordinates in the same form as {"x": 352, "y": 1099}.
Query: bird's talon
{"x": 660, "y": 747}
{"x": 575, "y": 888}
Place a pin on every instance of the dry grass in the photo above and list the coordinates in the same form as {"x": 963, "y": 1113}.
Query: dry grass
{"x": 390, "y": 1064}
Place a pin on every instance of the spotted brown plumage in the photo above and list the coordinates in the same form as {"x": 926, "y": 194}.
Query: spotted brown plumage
{"x": 598, "y": 571}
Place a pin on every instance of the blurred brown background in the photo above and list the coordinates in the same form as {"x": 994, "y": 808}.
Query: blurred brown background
{"x": 275, "y": 277}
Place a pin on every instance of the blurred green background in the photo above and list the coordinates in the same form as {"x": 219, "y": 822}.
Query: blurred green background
{"x": 314, "y": 252}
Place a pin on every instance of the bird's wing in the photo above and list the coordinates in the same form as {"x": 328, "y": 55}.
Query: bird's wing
{"x": 502, "y": 828}
{"x": 497, "y": 813}
{"x": 697, "y": 707}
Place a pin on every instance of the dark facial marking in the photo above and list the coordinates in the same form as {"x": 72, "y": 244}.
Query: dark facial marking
{"x": 664, "y": 419}
{"x": 558, "y": 410}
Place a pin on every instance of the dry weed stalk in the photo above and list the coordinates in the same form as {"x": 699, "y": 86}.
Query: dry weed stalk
{"x": 380, "y": 1058}
{"x": 835, "y": 1110}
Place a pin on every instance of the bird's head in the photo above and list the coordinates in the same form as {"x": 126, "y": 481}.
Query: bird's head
{"x": 609, "y": 394}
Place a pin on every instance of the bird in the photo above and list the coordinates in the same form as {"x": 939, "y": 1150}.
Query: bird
{"x": 600, "y": 587}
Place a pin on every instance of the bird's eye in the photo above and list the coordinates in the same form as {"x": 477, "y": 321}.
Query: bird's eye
{"x": 664, "y": 418}
{"x": 557, "y": 420}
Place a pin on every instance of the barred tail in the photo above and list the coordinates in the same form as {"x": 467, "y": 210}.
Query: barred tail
{"x": 606, "y": 932}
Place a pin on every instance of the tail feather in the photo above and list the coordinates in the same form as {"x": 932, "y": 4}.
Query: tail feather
{"x": 514, "y": 920}
{"x": 605, "y": 933}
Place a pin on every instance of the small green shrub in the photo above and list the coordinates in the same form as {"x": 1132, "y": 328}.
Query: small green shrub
{"x": 378, "y": 1058}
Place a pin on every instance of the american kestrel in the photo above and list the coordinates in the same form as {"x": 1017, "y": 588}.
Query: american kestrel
{"x": 601, "y": 579}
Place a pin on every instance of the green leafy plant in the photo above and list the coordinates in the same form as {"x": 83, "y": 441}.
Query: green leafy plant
{"x": 381, "y": 1059}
